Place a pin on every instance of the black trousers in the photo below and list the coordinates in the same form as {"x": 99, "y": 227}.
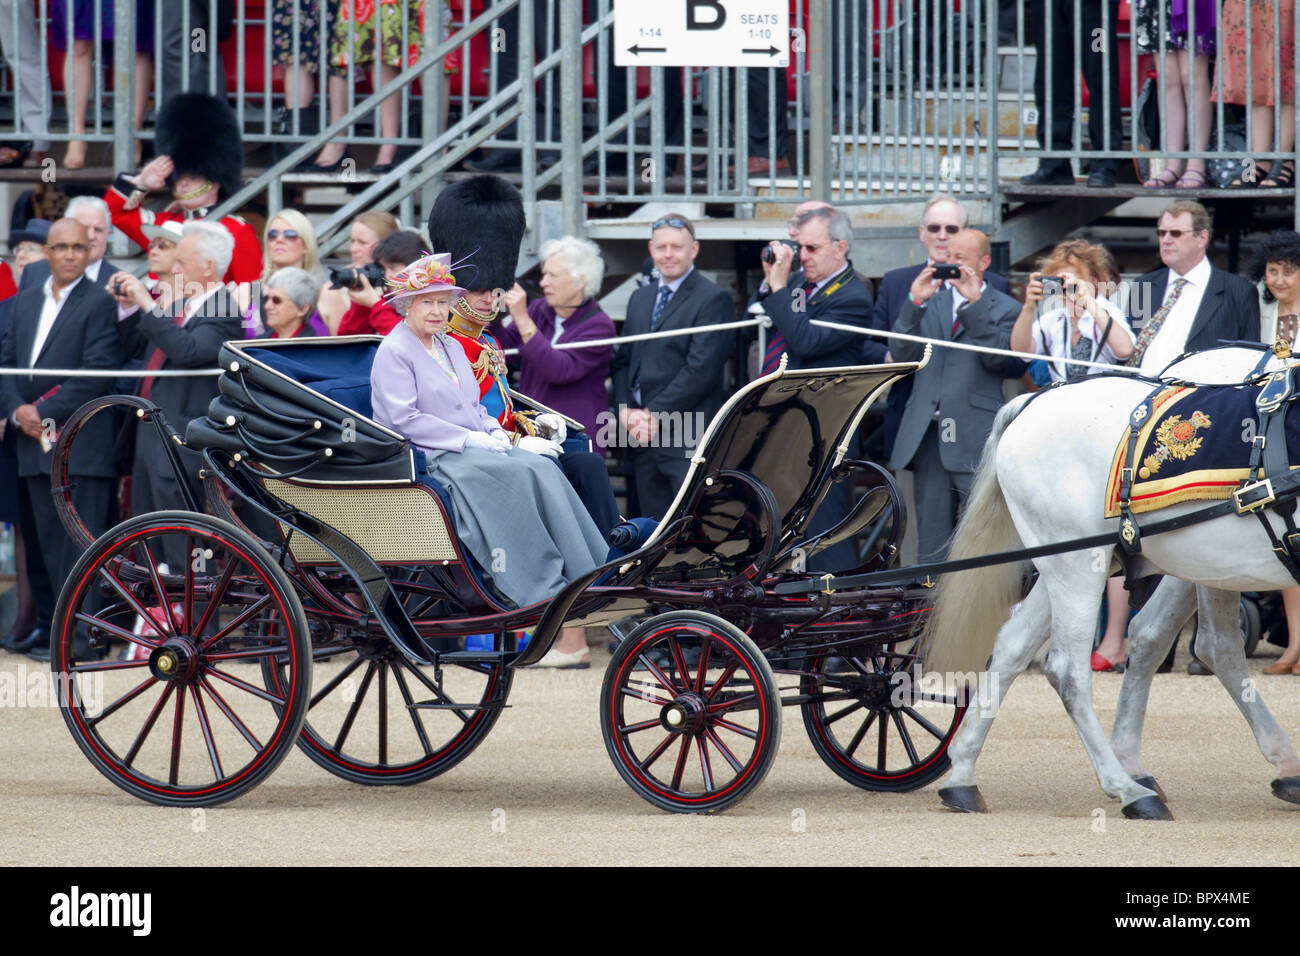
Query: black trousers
{"x": 1061, "y": 93}
{"x": 760, "y": 84}
{"x": 658, "y": 474}
{"x": 50, "y": 552}
{"x": 191, "y": 75}
{"x": 587, "y": 473}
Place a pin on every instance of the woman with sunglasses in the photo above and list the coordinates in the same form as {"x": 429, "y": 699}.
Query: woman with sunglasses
{"x": 288, "y": 242}
{"x": 288, "y": 302}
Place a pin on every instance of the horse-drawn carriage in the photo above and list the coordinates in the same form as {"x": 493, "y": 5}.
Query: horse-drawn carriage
{"x": 319, "y": 600}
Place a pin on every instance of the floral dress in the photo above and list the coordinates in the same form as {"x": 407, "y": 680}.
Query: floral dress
{"x": 1264, "y": 49}
{"x": 1146, "y": 26}
{"x": 309, "y": 31}
{"x": 361, "y": 20}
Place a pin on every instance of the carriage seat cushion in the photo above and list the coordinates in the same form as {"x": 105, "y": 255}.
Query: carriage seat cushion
{"x": 340, "y": 374}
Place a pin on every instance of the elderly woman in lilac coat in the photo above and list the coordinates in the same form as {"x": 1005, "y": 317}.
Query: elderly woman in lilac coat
{"x": 423, "y": 388}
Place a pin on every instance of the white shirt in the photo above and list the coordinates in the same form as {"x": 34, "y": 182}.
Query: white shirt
{"x": 194, "y": 304}
{"x": 675, "y": 284}
{"x": 958, "y": 300}
{"x": 1171, "y": 341}
{"x": 49, "y": 312}
{"x": 92, "y": 270}
{"x": 1051, "y": 333}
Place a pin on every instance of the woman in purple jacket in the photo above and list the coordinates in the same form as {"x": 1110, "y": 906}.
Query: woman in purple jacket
{"x": 572, "y": 380}
{"x": 422, "y": 386}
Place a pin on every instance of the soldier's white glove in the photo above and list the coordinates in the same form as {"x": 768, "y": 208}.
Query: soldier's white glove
{"x": 552, "y": 426}
{"x": 540, "y": 446}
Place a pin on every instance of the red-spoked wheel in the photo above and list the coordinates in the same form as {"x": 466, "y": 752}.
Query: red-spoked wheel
{"x": 177, "y": 723}
{"x": 690, "y": 712}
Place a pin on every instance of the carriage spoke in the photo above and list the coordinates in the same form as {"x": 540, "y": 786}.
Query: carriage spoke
{"x": 338, "y": 679}
{"x": 412, "y": 710}
{"x": 660, "y": 676}
{"x": 126, "y": 595}
{"x": 907, "y": 738}
{"x": 930, "y": 728}
{"x": 356, "y": 706}
{"x": 722, "y": 680}
{"x": 187, "y": 608}
{"x": 682, "y": 754}
{"x": 657, "y": 752}
{"x": 723, "y": 749}
{"x": 214, "y": 600}
{"x": 437, "y": 691}
{"x": 252, "y": 653}
{"x": 119, "y": 632}
{"x": 244, "y": 685}
{"x": 736, "y": 728}
{"x": 706, "y": 768}
{"x": 107, "y": 666}
{"x": 230, "y": 714}
{"x": 177, "y": 724}
{"x": 882, "y": 744}
{"x": 732, "y": 703}
{"x": 644, "y": 694}
{"x": 637, "y": 728}
{"x": 679, "y": 662}
{"x": 852, "y": 748}
{"x": 704, "y": 666}
{"x": 126, "y": 698}
{"x": 213, "y": 756}
{"x": 148, "y": 725}
{"x": 937, "y": 699}
{"x": 383, "y": 712}
{"x": 239, "y": 620}
{"x": 845, "y": 712}
{"x": 164, "y": 605}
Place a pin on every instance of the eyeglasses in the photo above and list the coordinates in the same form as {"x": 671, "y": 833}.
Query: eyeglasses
{"x": 675, "y": 222}
{"x": 276, "y": 234}
{"x": 273, "y": 299}
{"x": 63, "y": 248}
{"x": 1174, "y": 233}
{"x": 933, "y": 229}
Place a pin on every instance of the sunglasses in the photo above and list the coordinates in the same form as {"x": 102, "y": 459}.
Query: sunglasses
{"x": 274, "y": 299}
{"x": 276, "y": 234}
{"x": 1174, "y": 233}
{"x": 675, "y": 223}
{"x": 933, "y": 229}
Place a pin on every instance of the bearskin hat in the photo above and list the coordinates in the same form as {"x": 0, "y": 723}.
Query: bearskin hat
{"x": 201, "y": 135}
{"x": 480, "y": 222}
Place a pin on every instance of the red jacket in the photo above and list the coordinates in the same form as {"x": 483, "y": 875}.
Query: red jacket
{"x": 124, "y": 203}
{"x": 359, "y": 320}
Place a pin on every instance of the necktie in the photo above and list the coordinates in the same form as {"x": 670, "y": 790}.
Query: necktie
{"x": 661, "y": 303}
{"x": 1151, "y": 328}
{"x": 776, "y": 344}
{"x": 156, "y": 360}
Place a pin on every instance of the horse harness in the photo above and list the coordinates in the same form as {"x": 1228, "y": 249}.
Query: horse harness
{"x": 1270, "y": 483}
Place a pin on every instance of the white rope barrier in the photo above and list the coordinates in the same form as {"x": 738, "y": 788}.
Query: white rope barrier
{"x": 665, "y": 334}
{"x": 109, "y": 373}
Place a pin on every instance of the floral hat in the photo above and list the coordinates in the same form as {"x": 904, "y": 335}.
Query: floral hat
{"x": 429, "y": 273}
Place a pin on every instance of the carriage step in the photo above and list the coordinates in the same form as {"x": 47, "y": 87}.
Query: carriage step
{"x": 439, "y": 705}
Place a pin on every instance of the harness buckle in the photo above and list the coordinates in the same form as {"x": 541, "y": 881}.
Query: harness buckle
{"x": 1262, "y": 489}
{"x": 1261, "y": 439}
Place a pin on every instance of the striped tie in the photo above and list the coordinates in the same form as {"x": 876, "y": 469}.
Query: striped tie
{"x": 776, "y": 344}
{"x": 660, "y": 304}
{"x": 1151, "y": 328}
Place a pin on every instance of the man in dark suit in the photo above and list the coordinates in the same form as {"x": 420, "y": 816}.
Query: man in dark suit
{"x": 91, "y": 212}
{"x": 68, "y": 322}
{"x": 950, "y": 412}
{"x": 1188, "y": 305}
{"x": 668, "y": 390}
{"x": 824, "y": 288}
{"x": 942, "y": 219}
{"x": 188, "y": 336}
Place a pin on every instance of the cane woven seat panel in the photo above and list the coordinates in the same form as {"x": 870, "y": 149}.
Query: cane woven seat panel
{"x": 392, "y": 525}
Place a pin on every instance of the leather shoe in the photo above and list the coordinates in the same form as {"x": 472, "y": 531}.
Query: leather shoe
{"x": 1198, "y": 668}
{"x": 1101, "y": 663}
{"x": 1102, "y": 177}
{"x": 761, "y": 166}
{"x": 1049, "y": 176}
{"x": 40, "y": 652}
{"x": 22, "y": 645}
{"x": 497, "y": 161}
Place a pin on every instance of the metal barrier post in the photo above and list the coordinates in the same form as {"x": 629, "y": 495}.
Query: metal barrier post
{"x": 571, "y": 116}
{"x": 123, "y": 87}
{"x": 819, "y": 98}
{"x": 526, "y": 126}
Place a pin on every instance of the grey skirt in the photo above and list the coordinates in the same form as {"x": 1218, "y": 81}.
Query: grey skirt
{"x": 520, "y": 518}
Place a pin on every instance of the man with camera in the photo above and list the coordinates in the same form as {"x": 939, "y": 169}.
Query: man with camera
{"x": 67, "y": 322}
{"x": 370, "y": 313}
{"x": 955, "y": 396}
{"x": 187, "y": 336}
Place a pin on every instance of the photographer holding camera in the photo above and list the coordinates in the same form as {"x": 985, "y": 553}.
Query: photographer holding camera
{"x": 370, "y": 313}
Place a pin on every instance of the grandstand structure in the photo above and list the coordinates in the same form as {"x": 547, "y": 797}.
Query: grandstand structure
{"x": 886, "y": 102}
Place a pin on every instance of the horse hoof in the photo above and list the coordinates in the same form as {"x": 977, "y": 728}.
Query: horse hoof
{"x": 1287, "y": 788}
{"x": 1147, "y": 808}
{"x": 963, "y": 799}
{"x": 1149, "y": 782}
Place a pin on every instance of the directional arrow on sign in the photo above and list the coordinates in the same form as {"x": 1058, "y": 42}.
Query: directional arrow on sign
{"x": 770, "y": 51}
{"x": 637, "y": 49}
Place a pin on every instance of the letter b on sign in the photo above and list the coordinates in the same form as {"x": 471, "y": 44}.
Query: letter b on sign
{"x": 713, "y": 9}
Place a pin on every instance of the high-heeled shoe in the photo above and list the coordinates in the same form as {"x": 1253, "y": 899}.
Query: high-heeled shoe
{"x": 322, "y": 168}
{"x": 1100, "y": 663}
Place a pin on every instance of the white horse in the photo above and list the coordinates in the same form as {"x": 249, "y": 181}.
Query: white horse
{"x": 1042, "y": 480}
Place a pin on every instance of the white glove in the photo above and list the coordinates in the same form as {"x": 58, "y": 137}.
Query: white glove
{"x": 553, "y": 425}
{"x": 487, "y": 442}
{"x": 540, "y": 446}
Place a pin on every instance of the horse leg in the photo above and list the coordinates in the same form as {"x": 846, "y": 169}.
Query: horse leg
{"x": 1225, "y": 655}
{"x": 1018, "y": 641}
{"x": 1076, "y": 599}
{"x": 1150, "y": 636}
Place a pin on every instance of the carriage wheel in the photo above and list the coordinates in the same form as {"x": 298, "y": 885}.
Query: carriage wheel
{"x": 379, "y": 719}
{"x": 177, "y": 723}
{"x": 690, "y": 712}
{"x": 872, "y": 725}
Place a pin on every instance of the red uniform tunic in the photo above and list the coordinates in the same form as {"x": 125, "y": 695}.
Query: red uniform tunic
{"x": 489, "y": 364}
{"x": 124, "y": 203}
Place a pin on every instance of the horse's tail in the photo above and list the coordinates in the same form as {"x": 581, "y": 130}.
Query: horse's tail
{"x": 970, "y": 606}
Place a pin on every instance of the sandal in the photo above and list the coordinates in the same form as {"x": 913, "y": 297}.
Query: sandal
{"x": 14, "y": 154}
{"x": 1160, "y": 182}
{"x": 1255, "y": 172}
{"x": 1284, "y": 178}
{"x": 1186, "y": 182}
